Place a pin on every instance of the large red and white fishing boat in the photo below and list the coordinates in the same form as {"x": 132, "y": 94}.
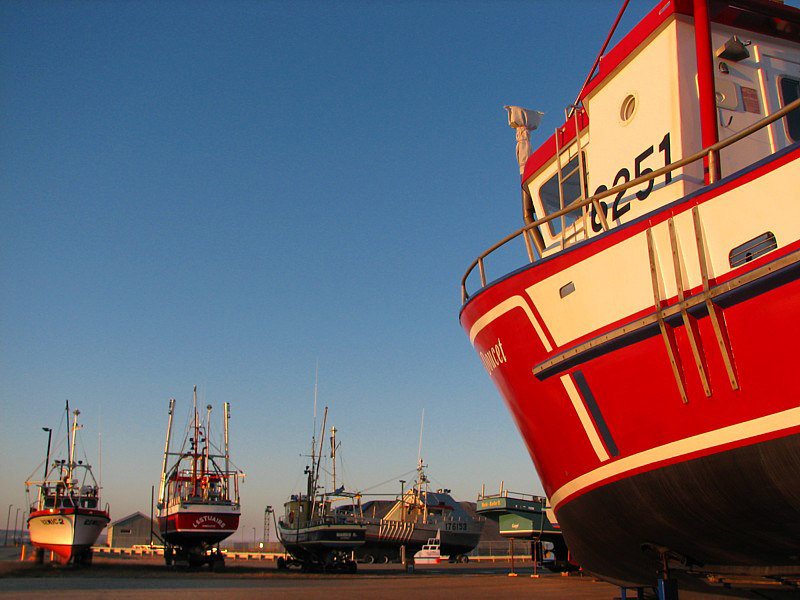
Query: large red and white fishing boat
{"x": 67, "y": 516}
{"x": 198, "y": 501}
{"x": 646, "y": 346}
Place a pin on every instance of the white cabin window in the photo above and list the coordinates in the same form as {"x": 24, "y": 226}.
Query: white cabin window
{"x": 790, "y": 91}
{"x": 571, "y": 188}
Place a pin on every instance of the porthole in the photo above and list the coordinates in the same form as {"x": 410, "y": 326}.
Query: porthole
{"x": 628, "y": 108}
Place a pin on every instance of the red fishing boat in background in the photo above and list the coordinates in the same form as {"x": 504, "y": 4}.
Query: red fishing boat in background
{"x": 198, "y": 502}
{"x": 646, "y": 344}
{"x": 67, "y": 516}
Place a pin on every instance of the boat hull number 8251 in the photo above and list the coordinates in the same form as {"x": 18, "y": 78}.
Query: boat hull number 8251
{"x": 624, "y": 175}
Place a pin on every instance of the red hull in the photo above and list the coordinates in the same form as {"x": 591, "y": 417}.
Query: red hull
{"x": 193, "y": 528}
{"x": 623, "y": 458}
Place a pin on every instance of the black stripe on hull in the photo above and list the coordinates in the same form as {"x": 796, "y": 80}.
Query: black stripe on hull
{"x": 739, "y": 508}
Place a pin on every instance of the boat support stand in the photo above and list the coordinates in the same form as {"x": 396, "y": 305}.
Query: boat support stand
{"x": 667, "y": 587}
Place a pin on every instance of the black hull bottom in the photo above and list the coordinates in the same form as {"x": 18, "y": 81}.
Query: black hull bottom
{"x": 738, "y": 509}
{"x": 317, "y": 544}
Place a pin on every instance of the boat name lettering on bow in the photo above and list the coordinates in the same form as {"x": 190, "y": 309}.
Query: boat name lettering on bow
{"x": 494, "y": 357}
{"x": 624, "y": 176}
{"x": 209, "y": 521}
{"x": 53, "y": 521}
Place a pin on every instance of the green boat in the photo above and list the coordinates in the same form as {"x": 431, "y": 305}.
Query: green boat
{"x": 528, "y": 517}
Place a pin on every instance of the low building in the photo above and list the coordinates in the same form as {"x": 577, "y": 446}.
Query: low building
{"x": 131, "y": 531}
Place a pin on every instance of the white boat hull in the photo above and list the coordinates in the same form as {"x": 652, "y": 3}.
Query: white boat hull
{"x": 68, "y": 533}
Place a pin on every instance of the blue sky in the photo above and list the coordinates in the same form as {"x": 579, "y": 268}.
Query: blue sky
{"x": 229, "y": 193}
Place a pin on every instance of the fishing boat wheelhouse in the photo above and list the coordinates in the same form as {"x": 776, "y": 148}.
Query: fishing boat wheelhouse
{"x": 652, "y": 320}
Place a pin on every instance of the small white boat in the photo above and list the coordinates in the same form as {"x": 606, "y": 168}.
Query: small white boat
{"x": 431, "y": 552}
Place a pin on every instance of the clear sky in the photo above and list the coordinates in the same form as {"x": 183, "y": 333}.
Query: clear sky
{"x": 229, "y": 193}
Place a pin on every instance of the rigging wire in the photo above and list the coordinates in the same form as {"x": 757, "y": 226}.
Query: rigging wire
{"x": 597, "y": 60}
{"x": 55, "y": 446}
{"x": 391, "y": 480}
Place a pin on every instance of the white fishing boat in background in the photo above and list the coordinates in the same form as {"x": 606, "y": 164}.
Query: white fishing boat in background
{"x": 314, "y": 533}
{"x": 67, "y": 516}
{"x": 198, "y": 502}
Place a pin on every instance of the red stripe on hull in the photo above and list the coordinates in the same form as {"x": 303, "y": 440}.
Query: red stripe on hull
{"x": 64, "y": 552}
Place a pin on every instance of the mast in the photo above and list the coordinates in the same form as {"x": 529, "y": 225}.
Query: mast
{"x": 420, "y": 472}
{"x": 72, "y": 449}
{"x": 69, "y": 446}
{"x": 166, "y": 452}
{"x": 319, "y": 457}
{"x": 333, "y": 455}
{"x": 226, "y": 409}
{"x": 195, "y": 442}
{"x": 315, "y": 465}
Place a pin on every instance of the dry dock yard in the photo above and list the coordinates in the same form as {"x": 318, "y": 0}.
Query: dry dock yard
{"x": 148, "y": 577}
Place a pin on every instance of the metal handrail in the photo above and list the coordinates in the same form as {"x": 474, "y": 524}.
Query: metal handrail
{"x": 581, "y": 202}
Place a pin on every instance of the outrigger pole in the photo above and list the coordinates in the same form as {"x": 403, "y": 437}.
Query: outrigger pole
{"x": 207, "y": 441}
{"x": 166, "y": 451}
{"x": 226, "y": 416}
{"x": 47, "y": 457}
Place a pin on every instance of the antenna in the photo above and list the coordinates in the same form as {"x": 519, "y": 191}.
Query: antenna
{"x": 100, "y": 449}
{"x": 314, "y": 430}
{"x": 316, "y": 379}
{"x": 421, "y": 425}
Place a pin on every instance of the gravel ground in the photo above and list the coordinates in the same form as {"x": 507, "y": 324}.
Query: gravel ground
{"x": 131, "y": 578}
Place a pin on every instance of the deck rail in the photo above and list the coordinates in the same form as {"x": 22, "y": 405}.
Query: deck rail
{"x": 711, "y": 152}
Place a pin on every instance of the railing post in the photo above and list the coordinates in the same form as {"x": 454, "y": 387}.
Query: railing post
{"x": 528, "y": 248}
